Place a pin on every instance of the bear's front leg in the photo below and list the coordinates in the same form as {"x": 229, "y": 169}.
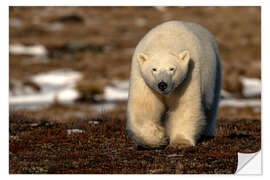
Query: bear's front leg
{"x": 185, "y": 122}
{"x": 144, "y": 121}
{"x": 149, "y": 135}
{"x": 145, "y": 129}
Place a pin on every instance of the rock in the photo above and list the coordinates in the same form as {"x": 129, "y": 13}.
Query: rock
{"x": 55, "y": 26}
{"x": 161, "y": 8}
{"x": 225, "y": 94}
{"x": 140, "y": 22}
{"x": 93, "y": 122}
{"x": 174, "y": 155}
{"x": 73, "y": 18}
{"x": 74, "y": 131}
{"x": 15, "y": 22}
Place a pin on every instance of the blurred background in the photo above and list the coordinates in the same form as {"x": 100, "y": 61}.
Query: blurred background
{"x": 78, "y": 58}
{"x": 68, "y": 87}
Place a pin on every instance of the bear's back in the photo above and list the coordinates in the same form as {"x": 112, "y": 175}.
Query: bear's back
{"x": 176, "y": 36}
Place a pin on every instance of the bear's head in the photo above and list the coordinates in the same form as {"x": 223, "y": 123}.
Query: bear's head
{"x": 164, "y": 71}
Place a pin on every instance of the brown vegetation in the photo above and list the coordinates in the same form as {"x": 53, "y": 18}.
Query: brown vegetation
{"x": 40, "y": 145}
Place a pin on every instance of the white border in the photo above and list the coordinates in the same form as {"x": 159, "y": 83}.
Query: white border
{"x": 4, "y": 67}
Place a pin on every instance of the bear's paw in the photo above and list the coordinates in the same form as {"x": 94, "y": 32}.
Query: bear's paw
{"x": 180, "y": 141}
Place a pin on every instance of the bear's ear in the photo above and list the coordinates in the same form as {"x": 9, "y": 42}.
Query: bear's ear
{"x": 184, "y": 56}
{"x": 141, "y": 57}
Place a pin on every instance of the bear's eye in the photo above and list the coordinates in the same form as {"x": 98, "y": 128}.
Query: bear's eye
{"x": 171, "y": 69}
{"x": 154, "y": 69}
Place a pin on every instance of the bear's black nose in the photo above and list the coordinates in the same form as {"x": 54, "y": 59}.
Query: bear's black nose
{"x": 162, "y": 86}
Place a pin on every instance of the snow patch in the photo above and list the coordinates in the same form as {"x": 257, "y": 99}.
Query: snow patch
{"x": 19, "y": 88}
{"x": 240, "y": 102}
{"x": 251, "y": 87}
{"x": 117, "y": 92}
{"x": 102, "y": 107}
{"x": 56, "y": 85}
{"x": 57, "y": 78}
{"x": 67, "y": 95}
{"x": 35, "y": 50}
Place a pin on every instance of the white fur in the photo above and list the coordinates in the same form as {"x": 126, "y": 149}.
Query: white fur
{"x": 189, "y": 108}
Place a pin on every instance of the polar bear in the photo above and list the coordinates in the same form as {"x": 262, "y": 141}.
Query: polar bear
{"x": 174, "y": 87}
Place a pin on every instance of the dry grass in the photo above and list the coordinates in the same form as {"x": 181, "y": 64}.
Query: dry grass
{"x": 38, "y": 145}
